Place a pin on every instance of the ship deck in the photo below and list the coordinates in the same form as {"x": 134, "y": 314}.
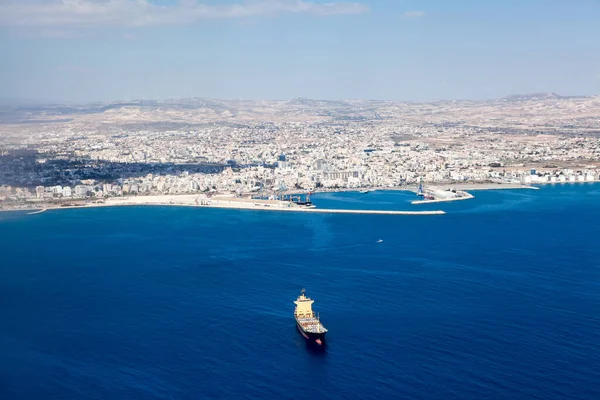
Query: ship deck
{"x": 311, "y": 325}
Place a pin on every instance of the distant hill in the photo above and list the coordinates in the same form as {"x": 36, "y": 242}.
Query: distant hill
{"x": 536, "y": 96}
{"x": 302, "y": 101}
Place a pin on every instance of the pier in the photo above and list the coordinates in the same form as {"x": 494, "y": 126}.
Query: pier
{"x": 462, "y": 196}
{"x": 381, "y": 212}
{"x": 37, "y": 212}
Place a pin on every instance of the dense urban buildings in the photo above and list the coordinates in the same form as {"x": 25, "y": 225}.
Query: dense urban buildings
{"x": 273, "y": 147}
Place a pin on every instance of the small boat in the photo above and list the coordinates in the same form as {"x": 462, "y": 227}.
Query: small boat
{"x": 364, "y": 191}
{"x": 380, "y": 241}
{"x": 307, "y": 322}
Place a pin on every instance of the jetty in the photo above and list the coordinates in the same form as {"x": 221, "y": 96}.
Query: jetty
{"x": 37, "y": 212}
{"x": 381, "y": 212}
{"x": 461, "y": 196}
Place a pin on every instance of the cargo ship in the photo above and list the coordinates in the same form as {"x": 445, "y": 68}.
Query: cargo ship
{"x": 304, "y": 203}
{"x": 307, "y": 322}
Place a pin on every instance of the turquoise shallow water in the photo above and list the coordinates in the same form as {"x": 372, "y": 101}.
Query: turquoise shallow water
{"x": 498, "y": 299}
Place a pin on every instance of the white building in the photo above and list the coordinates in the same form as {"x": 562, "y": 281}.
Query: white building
{"x": 81, "y": 190}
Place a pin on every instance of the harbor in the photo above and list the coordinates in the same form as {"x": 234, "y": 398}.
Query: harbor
{"x": 456, "y": 192}
{"x": 281, "y": 200}
{"x": 439, "y": 195}
{"x": 381, "y": 212}
{"x": 225, "y": 202}
{"x": 466, "y": 196}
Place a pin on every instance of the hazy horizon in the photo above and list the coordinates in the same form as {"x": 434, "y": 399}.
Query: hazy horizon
{"x": 58, "y": 102}
{"x": 98, "y": 50}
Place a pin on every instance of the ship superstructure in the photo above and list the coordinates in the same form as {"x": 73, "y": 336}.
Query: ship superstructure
{"x": 307, "y": 321}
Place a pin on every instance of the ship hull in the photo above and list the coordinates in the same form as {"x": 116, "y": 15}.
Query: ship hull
{"x": 318, "y": 338}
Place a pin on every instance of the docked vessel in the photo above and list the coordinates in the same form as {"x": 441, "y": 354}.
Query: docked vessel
{"x": 307, "y": 322}
{"x": 304, "y": 203}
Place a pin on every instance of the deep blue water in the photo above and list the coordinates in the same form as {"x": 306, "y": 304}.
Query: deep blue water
{"x": 498, "y": 299}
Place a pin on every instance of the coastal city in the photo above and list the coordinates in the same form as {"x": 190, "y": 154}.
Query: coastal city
{"x": 270, "y": 149}
{"x": 299, "y": 199}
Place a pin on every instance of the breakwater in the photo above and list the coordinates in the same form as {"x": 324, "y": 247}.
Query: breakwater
{"x": 37, "y": 212}
{"x": 383, "y": 212}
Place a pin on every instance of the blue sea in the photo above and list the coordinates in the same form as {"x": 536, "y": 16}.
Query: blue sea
{"x": 497, "y": 299}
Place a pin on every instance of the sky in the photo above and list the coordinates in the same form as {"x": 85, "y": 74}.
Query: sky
{"x": 102, "y": 50}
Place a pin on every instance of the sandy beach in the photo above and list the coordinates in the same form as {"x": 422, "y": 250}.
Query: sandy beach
{"x": 202, "y": 201}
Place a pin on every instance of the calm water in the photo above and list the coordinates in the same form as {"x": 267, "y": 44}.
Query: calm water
{"x": 498, "y": 299}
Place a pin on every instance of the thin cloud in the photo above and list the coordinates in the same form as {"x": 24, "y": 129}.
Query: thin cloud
{"x": 141, "y": 13}
{"x": 414, "y": 14}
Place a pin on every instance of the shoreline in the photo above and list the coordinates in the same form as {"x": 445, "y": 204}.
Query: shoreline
{"x": 462, "y": 186}
{"x": 465, "y": 196}
{"x": 217, "y": 201}
{"x": 38, "y": 211}
{"x": 222, "y": 203}
{"x": 566, "y": 182}
{"x": 483, "y": 186}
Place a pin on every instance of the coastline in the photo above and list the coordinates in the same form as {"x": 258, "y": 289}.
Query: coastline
{"x": 464, "y": 186}
{"x": 38, "y": 211}
{"x": 222, "y": 203}
{"x": 464, "y": 196}
{"x": 228, "y": 202}
{"x": 565, "y": 182}
{"x": 483, "y": 186}
{"x": 439, "y": 186}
